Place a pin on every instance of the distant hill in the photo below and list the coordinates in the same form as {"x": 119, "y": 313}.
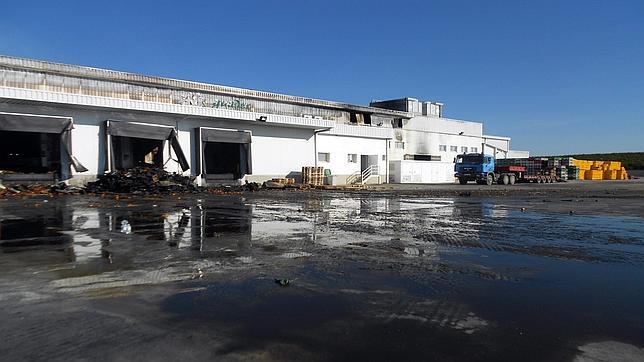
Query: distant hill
{"x": 630, "y": 160}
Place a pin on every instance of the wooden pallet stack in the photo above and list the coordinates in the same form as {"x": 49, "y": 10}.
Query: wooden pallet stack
{"x": 313, "y": 176}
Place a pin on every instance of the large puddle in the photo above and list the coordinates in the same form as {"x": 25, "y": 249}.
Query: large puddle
{"x": 377, "y": 278}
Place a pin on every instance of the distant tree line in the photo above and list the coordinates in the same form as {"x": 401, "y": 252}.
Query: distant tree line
{"x": 630, "y": 160}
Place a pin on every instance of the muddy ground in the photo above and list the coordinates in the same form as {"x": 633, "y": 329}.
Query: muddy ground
{"x": 534, "y": 272}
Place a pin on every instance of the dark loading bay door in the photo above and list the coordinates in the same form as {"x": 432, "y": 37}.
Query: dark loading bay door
{"x": 226, "y": 154}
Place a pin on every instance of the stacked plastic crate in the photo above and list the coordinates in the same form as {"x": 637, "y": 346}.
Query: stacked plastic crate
{"x": 533, "y": 165}
{"x": 573, "y": 172}
{"x": 600, "y": 170}
{"x": 563, "y": 165}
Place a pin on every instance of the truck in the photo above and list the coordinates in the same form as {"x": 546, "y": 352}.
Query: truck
{"x": 486, "y": 170}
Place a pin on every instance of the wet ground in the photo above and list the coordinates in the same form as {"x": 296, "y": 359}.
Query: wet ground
{"x": 379, "y": 276}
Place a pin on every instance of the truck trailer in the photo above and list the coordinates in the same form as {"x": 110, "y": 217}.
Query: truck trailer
{"x": 486, "y": 169}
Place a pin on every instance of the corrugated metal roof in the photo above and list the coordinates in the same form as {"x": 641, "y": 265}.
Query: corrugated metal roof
{"x": 131, "y": 78}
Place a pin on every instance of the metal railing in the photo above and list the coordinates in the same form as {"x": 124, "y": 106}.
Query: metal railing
{"x": 361, "y": 177}
{"x": 369, "y": 172}
{"x": 354, "y": 178}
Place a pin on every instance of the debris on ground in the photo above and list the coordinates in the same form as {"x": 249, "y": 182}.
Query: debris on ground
{"x": 279, "y": 183}
{"x": 40, "y": 189}
{"x": 63, "y": 188}
{"x": 237, "y": 189}
{"x": 283, "y": 282}
{"x": 142, "y": 180}
{"x": 126, "y": 228}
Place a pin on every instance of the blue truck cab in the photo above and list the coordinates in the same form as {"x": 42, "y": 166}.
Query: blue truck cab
{"x": 475, "y": 167}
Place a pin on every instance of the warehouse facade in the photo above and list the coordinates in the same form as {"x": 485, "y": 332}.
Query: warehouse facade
{"x": 73, "y": 123}
{"x": 425, "y": 145}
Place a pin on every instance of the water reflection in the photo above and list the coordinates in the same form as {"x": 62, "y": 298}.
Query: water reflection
{"x": 234, "y": 229}
{"x": 224, "y": 227}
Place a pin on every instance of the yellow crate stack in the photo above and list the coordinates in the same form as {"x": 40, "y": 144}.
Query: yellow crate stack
{"x": 594, "y": 175}
{"x": 600, "y": 170}
{"x": 610, "y": 175}
{"x": 615, "y": 166}
{"x": 622, "y": 174}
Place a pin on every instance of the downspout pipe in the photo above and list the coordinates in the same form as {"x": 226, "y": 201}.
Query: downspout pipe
{"x": 315, "y": 144}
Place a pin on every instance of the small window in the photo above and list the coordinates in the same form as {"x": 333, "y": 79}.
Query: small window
{"x": 352, "y": 158}
{"x": 384, "y": 157}
{"x": 442, "y": 148}
{"x": 400, "y": 145}
{"x": 474, "y": 149}
{"x": 463, "y": 149}
{"x": 324, "y": 157}
{"x": 453, "y": 148}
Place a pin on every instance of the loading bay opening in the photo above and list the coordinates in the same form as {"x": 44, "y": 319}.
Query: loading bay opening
{"x": 29, "y": 152}
{"x": 225, "y": 154}
{"x": 36, "y": 147}
{"x": 132, "y": 144}
{"x": 131, "y": 151}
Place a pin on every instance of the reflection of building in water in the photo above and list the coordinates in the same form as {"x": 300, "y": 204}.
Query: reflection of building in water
{"x": 94, "y": 238}
{"x": 494, "y": 211}
{"x": 221, "y": 224}
{"x": 291, "y": 222}
{"x": 40, "y": 237}
{"x": 445, "y": 221}
{"x": 202, "y": 226}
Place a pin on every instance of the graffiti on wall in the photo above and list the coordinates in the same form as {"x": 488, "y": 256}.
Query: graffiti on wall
{"x": 197, "y": 99}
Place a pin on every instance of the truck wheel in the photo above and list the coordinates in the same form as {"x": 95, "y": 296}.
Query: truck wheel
{"x": 462, "y": 181}
{"x": 490, "y": 180}
{"x": 513, "y": 179}
{"x": 506, "y": 179}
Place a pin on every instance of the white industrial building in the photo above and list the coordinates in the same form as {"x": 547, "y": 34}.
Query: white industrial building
{"x": 73, "y": 123}
{"x": 425, "y": 145}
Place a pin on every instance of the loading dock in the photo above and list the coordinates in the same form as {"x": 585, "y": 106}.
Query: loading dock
{"x": 131, "y": 144}
{"x": 36, "y": 147}
{"x": 224, "y": 155}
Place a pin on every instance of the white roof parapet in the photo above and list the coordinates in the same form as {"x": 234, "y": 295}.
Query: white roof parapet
{"x": 361, "y": 131}
{"x": 145, "y": 106}
{"x": 132, "y": 78}
{"x": 444, "y": 125}
{"x": 496, "y": 137}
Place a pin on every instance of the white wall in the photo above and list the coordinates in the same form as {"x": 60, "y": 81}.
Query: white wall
{"x": 421, "y": 172}
{"x": 428, "y": 143}
{"x": 445, "y": 125}
{"x": 518, "y": 154}
{"x": 502, "y": 143}
{"x": 424, "y": 136}
{"x": 84, "y": 136}
{"x": 341, "y": 146}
{"x": 282, "y": 151}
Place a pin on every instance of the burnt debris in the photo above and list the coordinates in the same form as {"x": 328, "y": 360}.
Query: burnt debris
{"x": 142, "y": 180}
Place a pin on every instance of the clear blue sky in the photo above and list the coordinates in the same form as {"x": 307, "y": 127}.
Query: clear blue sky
{"x": 557, "y": 76}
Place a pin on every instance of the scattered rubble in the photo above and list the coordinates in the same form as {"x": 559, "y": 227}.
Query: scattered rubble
{"x": 142, "y": 180}
{"x": 40, "y": 189}
{"x": 283, "y": 282}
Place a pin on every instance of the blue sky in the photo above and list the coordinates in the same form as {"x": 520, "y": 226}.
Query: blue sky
{"x": 556, "y": 76}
